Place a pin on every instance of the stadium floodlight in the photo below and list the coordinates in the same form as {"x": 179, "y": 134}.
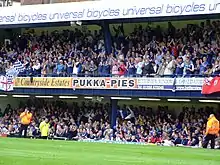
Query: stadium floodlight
{"x": 21, "y": 96}
{"x": 120, "y": 98}
{"x": 3, "y": 95}
{"x": 149, "y": 99}
{"x": 179, "y": 100}
{"x": 45, "y": 97}
{"x": 209, "y": 101}
{"x": 68, "y": 97}
{"x": 88, "y": 97}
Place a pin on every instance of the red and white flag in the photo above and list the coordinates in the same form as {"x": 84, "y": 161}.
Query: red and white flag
{"x": 6, "y": 84}
{"x": 211, "y": 85}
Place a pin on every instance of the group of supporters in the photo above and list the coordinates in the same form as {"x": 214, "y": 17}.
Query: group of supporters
{"x": 89, "y": 120}
{"x": 147, "y": 51}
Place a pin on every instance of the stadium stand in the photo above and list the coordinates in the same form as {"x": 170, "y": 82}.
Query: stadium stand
{"x": 186, "y": 52}
{"x": 90, "y": 121}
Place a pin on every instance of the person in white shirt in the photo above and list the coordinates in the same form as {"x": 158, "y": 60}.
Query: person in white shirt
{"x": 139, "y": 67}
{"x": 169, "y": 67}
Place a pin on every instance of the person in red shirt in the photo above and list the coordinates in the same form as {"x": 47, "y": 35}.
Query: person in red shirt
{"x": 122, "y": 69}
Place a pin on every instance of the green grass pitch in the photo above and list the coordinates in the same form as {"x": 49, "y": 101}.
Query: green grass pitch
{"x": 48, "y": 152}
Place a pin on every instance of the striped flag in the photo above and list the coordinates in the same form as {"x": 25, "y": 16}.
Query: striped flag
{"x": 14, "y": 71}
{"x": 19, "y": 66}
{"x": 11, "y": 73}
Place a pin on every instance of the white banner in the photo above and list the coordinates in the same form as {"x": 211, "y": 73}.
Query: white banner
{"x": 100, "y": 10}
{"x": 5, "y": 85}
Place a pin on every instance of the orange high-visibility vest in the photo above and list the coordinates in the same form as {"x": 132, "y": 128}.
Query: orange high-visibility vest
{"x": 212, "y": 126}
{"x": 26, "y": 118}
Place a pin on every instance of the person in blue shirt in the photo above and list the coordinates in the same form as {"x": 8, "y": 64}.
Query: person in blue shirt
{"x": 188, "y": 67}
{"x": 131, "y": 68}
{"x": 30, "y": 70}
{"x": 106, "y": 69}
{"x": 203, "y": 66}
{"x": 179, "y": 67}
{"x": 60, "y": 68}
{"x": 69, "y": 67}
{"x": 100, "y": 69}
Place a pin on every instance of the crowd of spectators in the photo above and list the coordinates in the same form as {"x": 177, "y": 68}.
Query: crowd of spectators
{"x": 147, "y": 51}
{"x": 89, "y": 120}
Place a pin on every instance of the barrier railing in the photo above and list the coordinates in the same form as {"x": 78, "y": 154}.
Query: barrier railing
{"x": 109, "y": 75}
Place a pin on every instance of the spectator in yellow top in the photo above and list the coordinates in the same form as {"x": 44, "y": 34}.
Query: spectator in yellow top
{"x": 44, "y": 128}
{"x": 26, "y": 118}
{"x": 212, "y": 131}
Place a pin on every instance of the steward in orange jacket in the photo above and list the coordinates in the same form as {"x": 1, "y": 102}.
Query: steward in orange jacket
{"x": 212, "y": 131}
{"x": 26, "y": 118}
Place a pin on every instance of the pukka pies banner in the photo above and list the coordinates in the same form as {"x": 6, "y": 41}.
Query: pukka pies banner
{"x": 104, "y": 83}
{"x": 100, "y": 10}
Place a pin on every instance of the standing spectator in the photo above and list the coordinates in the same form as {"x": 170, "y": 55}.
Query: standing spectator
{"x": 188, "y": 67}
{"x": 37, "y": 68}
{"x": 162, "y": 67}
{"x": 122, "y": 69}
{"x": 115, "y": 69}
{"x": 203, "y": 66}
{"x": 106, "y": 69}
{"x": 140, "y": 66}
{"x": 169, "y": 67}
{"x": 60, "y": 68}
{"x": 212, "y": 131}
{"x": 26, "y": 118}
{"x": 179, "y": 67}
{"x": 69, "y": 67}
{"x": 76, "y": 65}
{"x": 148, "y": 68}
{"x": 131, "y": 67}
{"x": 44, "y": 128}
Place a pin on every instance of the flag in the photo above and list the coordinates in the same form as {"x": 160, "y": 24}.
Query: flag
{"x": 15, "y": 70}
{"x": 211, "y": 85}
{"x": 6, "y": 84}
{"x": 19, "y": 66}
{"x": 11, "y": 73}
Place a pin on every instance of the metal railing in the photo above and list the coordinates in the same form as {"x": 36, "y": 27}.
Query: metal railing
{"x": 107, "y": 75}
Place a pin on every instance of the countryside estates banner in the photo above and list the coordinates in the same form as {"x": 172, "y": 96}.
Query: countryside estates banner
{"x": 179, "y": 84}
{"x": 100, "y": 10}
